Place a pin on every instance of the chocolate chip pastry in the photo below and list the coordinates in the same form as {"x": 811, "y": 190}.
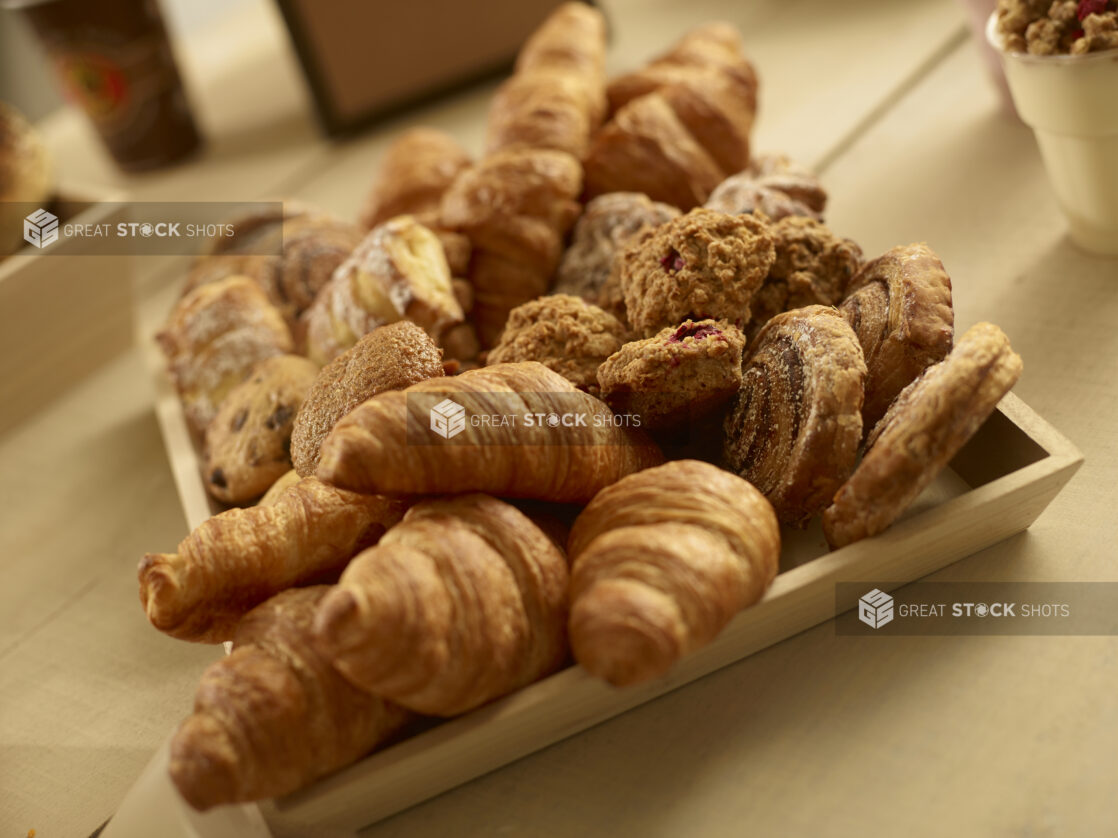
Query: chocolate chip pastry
{"x": 248, "y": 444}
{"x": 794, "y": 428}
{"x": 924, "y": 428}
{"x": 701, "y": 265}
{"x": 899, "y": 305}
{"x": 675, "y": 377}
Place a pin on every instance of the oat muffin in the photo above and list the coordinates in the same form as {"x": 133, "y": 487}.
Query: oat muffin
{"x": 564, "y": 333}
{"x": 701, "y": 265}
{"x": 677, "y": 376}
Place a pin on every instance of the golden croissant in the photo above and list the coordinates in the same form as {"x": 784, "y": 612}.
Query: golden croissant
{"x": 463, "y": 601}
{"x": 486, "y": 430}
{"x": 661, "y": 561}
{"x": 236, "y": 560}
{"x": 274, "y": 715}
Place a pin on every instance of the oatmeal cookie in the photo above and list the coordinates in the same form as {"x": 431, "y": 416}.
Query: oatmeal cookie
{"x": 607, "y": 224}
{"x": 925, "y": 427}
{"x": 391, "y": 357}
{"x": 564, "y": 333}
{"x": 248, "y": 444}
{"x": 899, "y": 305}
{"x": 680, "y": 374}
{"x": 794, "y": 428}
{"x": 704, "y": 264}
{"x": 813, "y": 267}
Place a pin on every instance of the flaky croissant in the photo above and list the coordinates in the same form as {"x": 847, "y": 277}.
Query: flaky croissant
{"x": 548, "y": 441}
{"x": 236, "y": 560}
{"x": 463, "y": 601}
{"x": 274, "y": 715}
{"x": 516, "y": 207}
{"x": 414, "y": 173}
{"x": 556, "y": 99}
{"x": 661, "y": 561}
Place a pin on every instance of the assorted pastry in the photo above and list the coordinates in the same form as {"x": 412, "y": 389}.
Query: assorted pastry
{"x": 697, "y": 359}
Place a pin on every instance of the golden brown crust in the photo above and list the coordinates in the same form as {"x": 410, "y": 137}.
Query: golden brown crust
{"x": 571, "y": 40}
{"x": 391, "y": 357}
{"x": 661, "y": 561}
{"x": 248, "y": 444}
{"x": 703, "y": 264}
{"x": 274, "y": 716}
{"x": 606, "y": 225}
{"x": 462, "y": 602}
{"x": 794, "y": 429}
{"x": 212, "y": 339}
{"x": 675, "y": 377}
{"x": 813, "y": 266}
{"x": 415, "y": 171}
{"x": 745, "y": 194}
{"x": 565, "y": 334}
{"x": 646, "y": 148}
{"x": 798, "y": 182}
{"x": 236, "y": 560}
{"x": 925, "y": 427}
{"x": 387, "y": 445}
{"x": 545, "y": 109}
{"x": 276, "y": 490}
{"x": 399, "y": 271}
{"x": 516, "y": 206}
{"x": 899, "y": 305}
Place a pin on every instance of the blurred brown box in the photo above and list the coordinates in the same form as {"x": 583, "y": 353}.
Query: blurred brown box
{"x": 367, "y": 58}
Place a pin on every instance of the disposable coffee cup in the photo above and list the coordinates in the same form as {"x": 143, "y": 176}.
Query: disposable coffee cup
{"x": 1071, "y": 103}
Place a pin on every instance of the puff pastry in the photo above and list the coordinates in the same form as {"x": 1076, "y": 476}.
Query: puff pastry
{"x": 462, "y": 602}
{"x": 399, "y": 271}
{"x": 899, "y": 305}
{"x": 923, "y": 429}
{"x": 387, "y": 444}
{"x": 661, "y": 561}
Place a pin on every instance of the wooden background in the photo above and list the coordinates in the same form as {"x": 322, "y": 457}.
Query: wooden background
{"x": 817, "y": 735}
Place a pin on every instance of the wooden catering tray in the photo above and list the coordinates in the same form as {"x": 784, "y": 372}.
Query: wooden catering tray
{"x": 996, "y": 487}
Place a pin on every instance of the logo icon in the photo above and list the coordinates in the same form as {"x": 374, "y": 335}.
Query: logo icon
{"x": 40, "y": 228}
{"x": 448, "y": 419}
{"x": 875, "y": 609}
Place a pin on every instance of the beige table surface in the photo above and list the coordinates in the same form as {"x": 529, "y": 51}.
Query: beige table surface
{"x": 818, "y": 735}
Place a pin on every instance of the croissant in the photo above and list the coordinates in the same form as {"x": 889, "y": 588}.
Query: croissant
{"x": 679, "y": 125}
{"x": 274, "y": 715}
{"x": 416, "y": 170}
{"x": 236, "y": 560}
{"x": 899, "y": 305}
{"x": 516, "y": 207}
{"x": 462, "y": 602}
{"x": 661, "y": 561}
{"x": 557, "y": 97}
{"x": 399, "y": 271}
{"x": 212, "y": 339}
{"x": 512, "y": 430}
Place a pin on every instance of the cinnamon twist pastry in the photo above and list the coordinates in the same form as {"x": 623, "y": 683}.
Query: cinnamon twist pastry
{"x": 923, "y": 429}
{"x": 399, "y": 271}
{"x": 516, "y": 207}
{"x": 899, "y": 305}
{"x": 274, "y": 716}
{"x": 212, "y": 339}
{"x": 387, "y": 444}
{"x": 794, "y": 428}
{"x": 415, "y": 171}
{"x": 661, "y": 561}
{"x": 236, "y": 560}
{"x": 463, "y": 601}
